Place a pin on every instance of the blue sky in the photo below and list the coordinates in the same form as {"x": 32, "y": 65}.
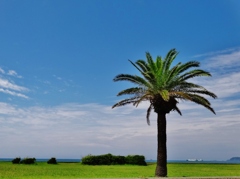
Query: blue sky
{"x": 57, "y": 64}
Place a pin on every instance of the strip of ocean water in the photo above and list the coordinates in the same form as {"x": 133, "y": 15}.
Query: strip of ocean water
{"x": 148, "y": 161}
{"x": 203, "y": 161}
{"x": 212, "y": 161}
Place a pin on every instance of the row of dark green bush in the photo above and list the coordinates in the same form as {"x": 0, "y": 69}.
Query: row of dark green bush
{"x": 109, "y": 159}
{"x": 31, "y": 161}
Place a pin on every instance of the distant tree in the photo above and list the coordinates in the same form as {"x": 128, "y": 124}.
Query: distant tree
{"x": 28, "y": 161}
{"x": 16, "y": 160}
{"x": 163, "y": 85}
{"x": 52, "y": 161}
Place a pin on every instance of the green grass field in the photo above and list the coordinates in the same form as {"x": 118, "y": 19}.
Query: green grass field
{"x": 43, "y": 170}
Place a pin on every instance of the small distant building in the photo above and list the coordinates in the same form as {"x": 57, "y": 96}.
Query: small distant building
{"x": 194, "y": 160}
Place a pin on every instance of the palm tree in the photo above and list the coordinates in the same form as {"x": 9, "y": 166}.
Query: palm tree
{"x": 163, "y": 85}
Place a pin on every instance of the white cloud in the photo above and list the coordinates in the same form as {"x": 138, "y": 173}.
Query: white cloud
{"x": 225, "y": 69}
{"x": 13, "y": 73}
{"x": 6, "y": 91}
{"x": 217, "y": 53}
{"x": 57, "y": 77}
{"x": 10, "y": 73}
{"x": 80, "y": 126}
{"x": 224, "y": 62}
{"x": 223, "y": 85}
{"x": 6, "y": 108}
{"x": 9, "y": 87}
{"x": 97, "y": 129}
{"x": 2, "y": 71}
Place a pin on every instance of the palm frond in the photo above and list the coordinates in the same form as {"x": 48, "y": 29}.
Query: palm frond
{"x": 202, "y": 101}
{"x": 205, "y": 92}
{"x": 148, "y": 114}
{"x": 177, "y": 109}
{"x": 151, "y": 63}
{"x": 180, "y": 95}
{"x": 144, "y": 69}
{"x": 172, "y": 73}
{"x": 132, "y": 78}
{"x": 143, "y": 65}
{"x": 136, "y": 90}
{"x": 143, "y": 97}
{"x": 171, "y": 55}
{"x": 187, "y": 66}
{"x": 136, "y": 66}
{"x": 194, "y": 73}
{"x": 125, "y": 101}
{"x": 184, "y": 86}
{"x": 159, "y": 64}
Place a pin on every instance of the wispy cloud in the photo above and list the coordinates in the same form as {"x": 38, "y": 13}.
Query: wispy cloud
{"x": 57, "y": 77}
{"x": 13, "y": 73}
{"x": 223, "y": 61}
{"x": 6, "y": 91}
{"x": 9, "y": 87}
{"x": 217, "y": 53}
{"x": 4, "y": 83}
{"x": 10, "y": 73}
{"x": 90, "y": 127}
{"x": 2, "y": 71}
{"x": 225, "y": 69}
{"x": 95, "y": 128}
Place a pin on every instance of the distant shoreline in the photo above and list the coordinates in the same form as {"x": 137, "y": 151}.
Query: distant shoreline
{"x": 148, "y": 161}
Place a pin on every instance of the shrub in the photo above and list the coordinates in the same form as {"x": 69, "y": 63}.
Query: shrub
{"x": 109, "y": 159}
{"x": 104, "y": 159}
{"x": 52, "y": 161}
{"x": 118, "y": 160}
{"x": 16, "y": 160}
{"x": 88, "y": 160}
{"x": 135, "y": 160}
{"x": 28, "y": 161}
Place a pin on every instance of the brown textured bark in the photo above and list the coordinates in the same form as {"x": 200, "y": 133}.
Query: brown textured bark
{"x": 161, "y": 169}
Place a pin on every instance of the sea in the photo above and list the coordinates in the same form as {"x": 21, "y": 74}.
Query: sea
{"x": 148, "y": 161}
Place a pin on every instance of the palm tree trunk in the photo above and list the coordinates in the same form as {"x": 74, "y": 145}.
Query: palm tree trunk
{"x": 161, "y": 169}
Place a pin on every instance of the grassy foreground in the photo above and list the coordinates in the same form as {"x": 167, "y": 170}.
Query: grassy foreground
{"x": 43, "y": 170}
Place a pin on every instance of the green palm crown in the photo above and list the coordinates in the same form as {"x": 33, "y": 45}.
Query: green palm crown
{"x": 163, "y": 86}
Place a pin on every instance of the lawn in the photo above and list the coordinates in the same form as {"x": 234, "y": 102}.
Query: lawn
{"x": 42, "y": 170}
